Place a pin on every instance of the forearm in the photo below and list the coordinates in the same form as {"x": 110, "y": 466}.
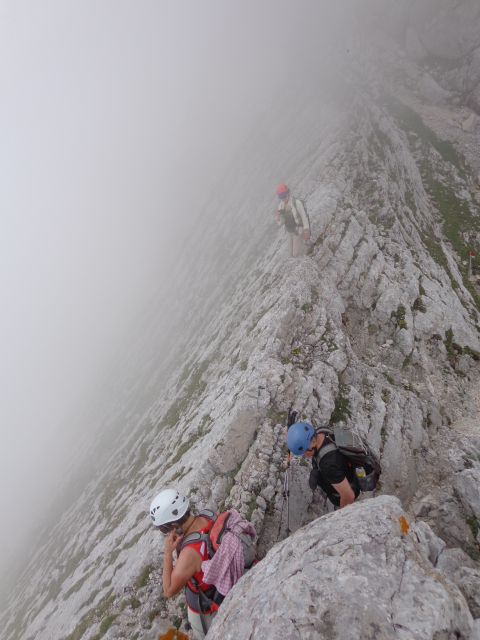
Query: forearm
{"x": 167, "y": 575}
{"x": 345, "y": 492}
{"x": 346, "y": 500}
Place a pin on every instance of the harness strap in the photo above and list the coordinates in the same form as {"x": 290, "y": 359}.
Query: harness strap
{"x": 202, "y": 601}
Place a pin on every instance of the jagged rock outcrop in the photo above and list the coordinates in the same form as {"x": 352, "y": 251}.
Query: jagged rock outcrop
{"x": 362, "y": 572}
{"x": 464, "y": 572}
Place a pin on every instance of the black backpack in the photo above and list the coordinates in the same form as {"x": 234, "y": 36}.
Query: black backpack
{"x": 289, "y": 222}
{"x": 289, "y": 219}
{"x": 357, "y": 454}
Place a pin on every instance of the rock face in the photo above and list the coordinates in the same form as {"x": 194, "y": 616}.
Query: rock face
{"x": 460, "y": 569}
{"x": 467, "y": 486}
{"x": 377, "y": 330}
{"x": 448, "y": 29}
{"x": 348, "y": 575}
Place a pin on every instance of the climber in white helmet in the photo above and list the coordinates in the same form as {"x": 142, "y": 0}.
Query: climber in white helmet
{"x": 171, "y": 515}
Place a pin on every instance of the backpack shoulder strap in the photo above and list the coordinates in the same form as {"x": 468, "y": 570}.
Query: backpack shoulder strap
{"x": 197, "y": 536}
{"x": 297, "y": 216}
{"x": 328, "y": 432}
{"x": 207, "y": 513}
{"x": 301, "y": 212}
{"x": 331, "y": 446}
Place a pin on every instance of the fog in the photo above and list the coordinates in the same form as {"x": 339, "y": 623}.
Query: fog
{"x": 117, "y": 119}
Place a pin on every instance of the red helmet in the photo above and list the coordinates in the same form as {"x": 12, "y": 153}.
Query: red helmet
{"x": 283, "y": 191}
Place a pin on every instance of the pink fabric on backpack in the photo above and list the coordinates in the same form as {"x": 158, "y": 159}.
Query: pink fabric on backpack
{"x": 228, "y": 564}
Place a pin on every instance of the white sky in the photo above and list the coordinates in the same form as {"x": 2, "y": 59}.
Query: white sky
{"x": 116, "y": 119}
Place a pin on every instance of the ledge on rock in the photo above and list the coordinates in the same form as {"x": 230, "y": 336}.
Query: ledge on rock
{"x": 361, "y": 572}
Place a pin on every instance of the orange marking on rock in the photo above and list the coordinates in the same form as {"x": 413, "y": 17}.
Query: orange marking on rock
{"x": 404, "y": 526}
{"x": 173, "y": 634}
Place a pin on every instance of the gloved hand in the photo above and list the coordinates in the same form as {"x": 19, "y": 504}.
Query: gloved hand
{"x": 291, "y": 418}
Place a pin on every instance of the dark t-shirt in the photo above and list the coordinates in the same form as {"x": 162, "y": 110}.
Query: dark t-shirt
{"x": 289, "y": 221}
{"x": 334, "y": 469}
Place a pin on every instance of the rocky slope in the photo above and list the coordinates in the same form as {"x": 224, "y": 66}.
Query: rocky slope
{"x": 362, "y": 572}
{"x": 377, "y": 329}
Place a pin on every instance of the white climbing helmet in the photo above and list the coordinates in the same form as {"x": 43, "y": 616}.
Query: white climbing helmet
{"x": 168, "y": 506}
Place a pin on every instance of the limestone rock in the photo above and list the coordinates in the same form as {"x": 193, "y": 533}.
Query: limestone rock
{"x": 350, "y": 574}
{"x": 449, "y": 29}
{"x": 432, "y": 91}
{"x": 451, "y": 559}
{"x": 466, "y": 484}
{"x": 476, "y": 630}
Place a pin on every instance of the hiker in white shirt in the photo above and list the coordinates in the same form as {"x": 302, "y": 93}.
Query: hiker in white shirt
{"x": 291, "y": 213}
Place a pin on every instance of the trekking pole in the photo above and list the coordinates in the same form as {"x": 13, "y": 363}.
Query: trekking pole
{"x": 291, "y": 418}
{"x": 286, "y": 492}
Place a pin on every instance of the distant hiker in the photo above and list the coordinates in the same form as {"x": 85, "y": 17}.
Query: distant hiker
{"x": 330, "y": 469}
{"x": 209, "y": 547}
{"x": 292, "y": 214}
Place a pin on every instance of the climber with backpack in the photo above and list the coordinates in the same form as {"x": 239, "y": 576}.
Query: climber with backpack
{"x": 340, "y": 468}
{"x": 213, "y": 551}
{"x": 292, "y": 214}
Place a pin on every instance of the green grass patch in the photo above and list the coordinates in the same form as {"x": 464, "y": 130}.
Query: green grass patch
{"x": 472, "y": 353}
{"x": 434, "y": 248}
{"x": 383, "y": 436}
{"x": 407, "y": 362}
{"x": 474, "y": 525}
{"x": 277, "y": 417}
{"x": 105, "y": 625}
{"x": 251, "y": 506}
{"x": 205, "y": 424}
{"x": 457, "y": 219}
{"x": 91, "y": 617}
{"x": 410, "y": 121}
{"x": 410, "y": 201}
{"x": 183, "y": 448}
{"x": 453, "y": 348}
{"x": 419, "y": 305}
{"x": 341, "y": 411}
{"x": 330, "y": 343}
{"x": 399, "y": 317}
{"x": 78, "y": 585}
{"x": 154, "y": 613}
{"x": 144, "y": 576}
{"x": 194, "y": 389}
{"x": 136, "y": 537}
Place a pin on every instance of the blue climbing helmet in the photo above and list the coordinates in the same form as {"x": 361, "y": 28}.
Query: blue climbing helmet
{"x": 299, "y": 437}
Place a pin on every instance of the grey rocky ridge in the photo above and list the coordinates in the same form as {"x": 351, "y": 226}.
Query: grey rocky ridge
{"x": 377, "y": 329}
